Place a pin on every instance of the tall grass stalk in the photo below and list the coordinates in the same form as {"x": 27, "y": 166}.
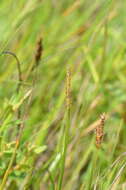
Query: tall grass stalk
{"x": 67, "y": 127}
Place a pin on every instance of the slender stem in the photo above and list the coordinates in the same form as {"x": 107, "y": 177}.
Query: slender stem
{"x": 18, "y": 67}
{"x": 19, "y": 81}
{"x": 67, "y": 127}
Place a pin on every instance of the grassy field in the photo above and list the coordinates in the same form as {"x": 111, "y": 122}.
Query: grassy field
{"x": 62, "y": 75}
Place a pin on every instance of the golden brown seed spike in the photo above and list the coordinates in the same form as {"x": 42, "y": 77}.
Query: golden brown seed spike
{"x": 100, "y": 130}
{"x": 68, "y": 89}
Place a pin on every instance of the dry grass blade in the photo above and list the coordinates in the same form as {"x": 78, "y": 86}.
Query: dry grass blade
{"x": 112, "y": 186}
{"x": 72, "y": 8}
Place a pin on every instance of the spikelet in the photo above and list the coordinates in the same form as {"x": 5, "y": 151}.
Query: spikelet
{"x": 38, "y": 53}
{"x": 39, "y": 50}
{"x": 68, "y": 89}
{"x": 100, "y": 130}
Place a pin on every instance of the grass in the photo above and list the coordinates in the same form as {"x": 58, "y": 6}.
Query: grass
{"x": 47, "y": 138}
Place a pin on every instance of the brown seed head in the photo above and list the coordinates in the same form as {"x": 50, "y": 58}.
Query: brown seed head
{"x": 39, "y": 51}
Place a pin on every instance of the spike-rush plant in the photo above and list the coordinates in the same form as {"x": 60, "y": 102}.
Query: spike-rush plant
{"x": 12, "y": 150}
{"x": 13, "y": 156}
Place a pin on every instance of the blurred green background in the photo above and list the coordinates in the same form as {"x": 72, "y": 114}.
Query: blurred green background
{"x": 87, "y": 36}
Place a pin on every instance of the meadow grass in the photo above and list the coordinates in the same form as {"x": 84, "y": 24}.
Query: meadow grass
{"x": 62, "y": 67}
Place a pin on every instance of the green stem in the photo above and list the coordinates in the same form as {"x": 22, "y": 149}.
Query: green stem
{"x": 9, "y": 167}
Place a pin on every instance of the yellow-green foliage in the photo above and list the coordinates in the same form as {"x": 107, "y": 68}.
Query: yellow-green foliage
{"x": 72, "y": 56}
